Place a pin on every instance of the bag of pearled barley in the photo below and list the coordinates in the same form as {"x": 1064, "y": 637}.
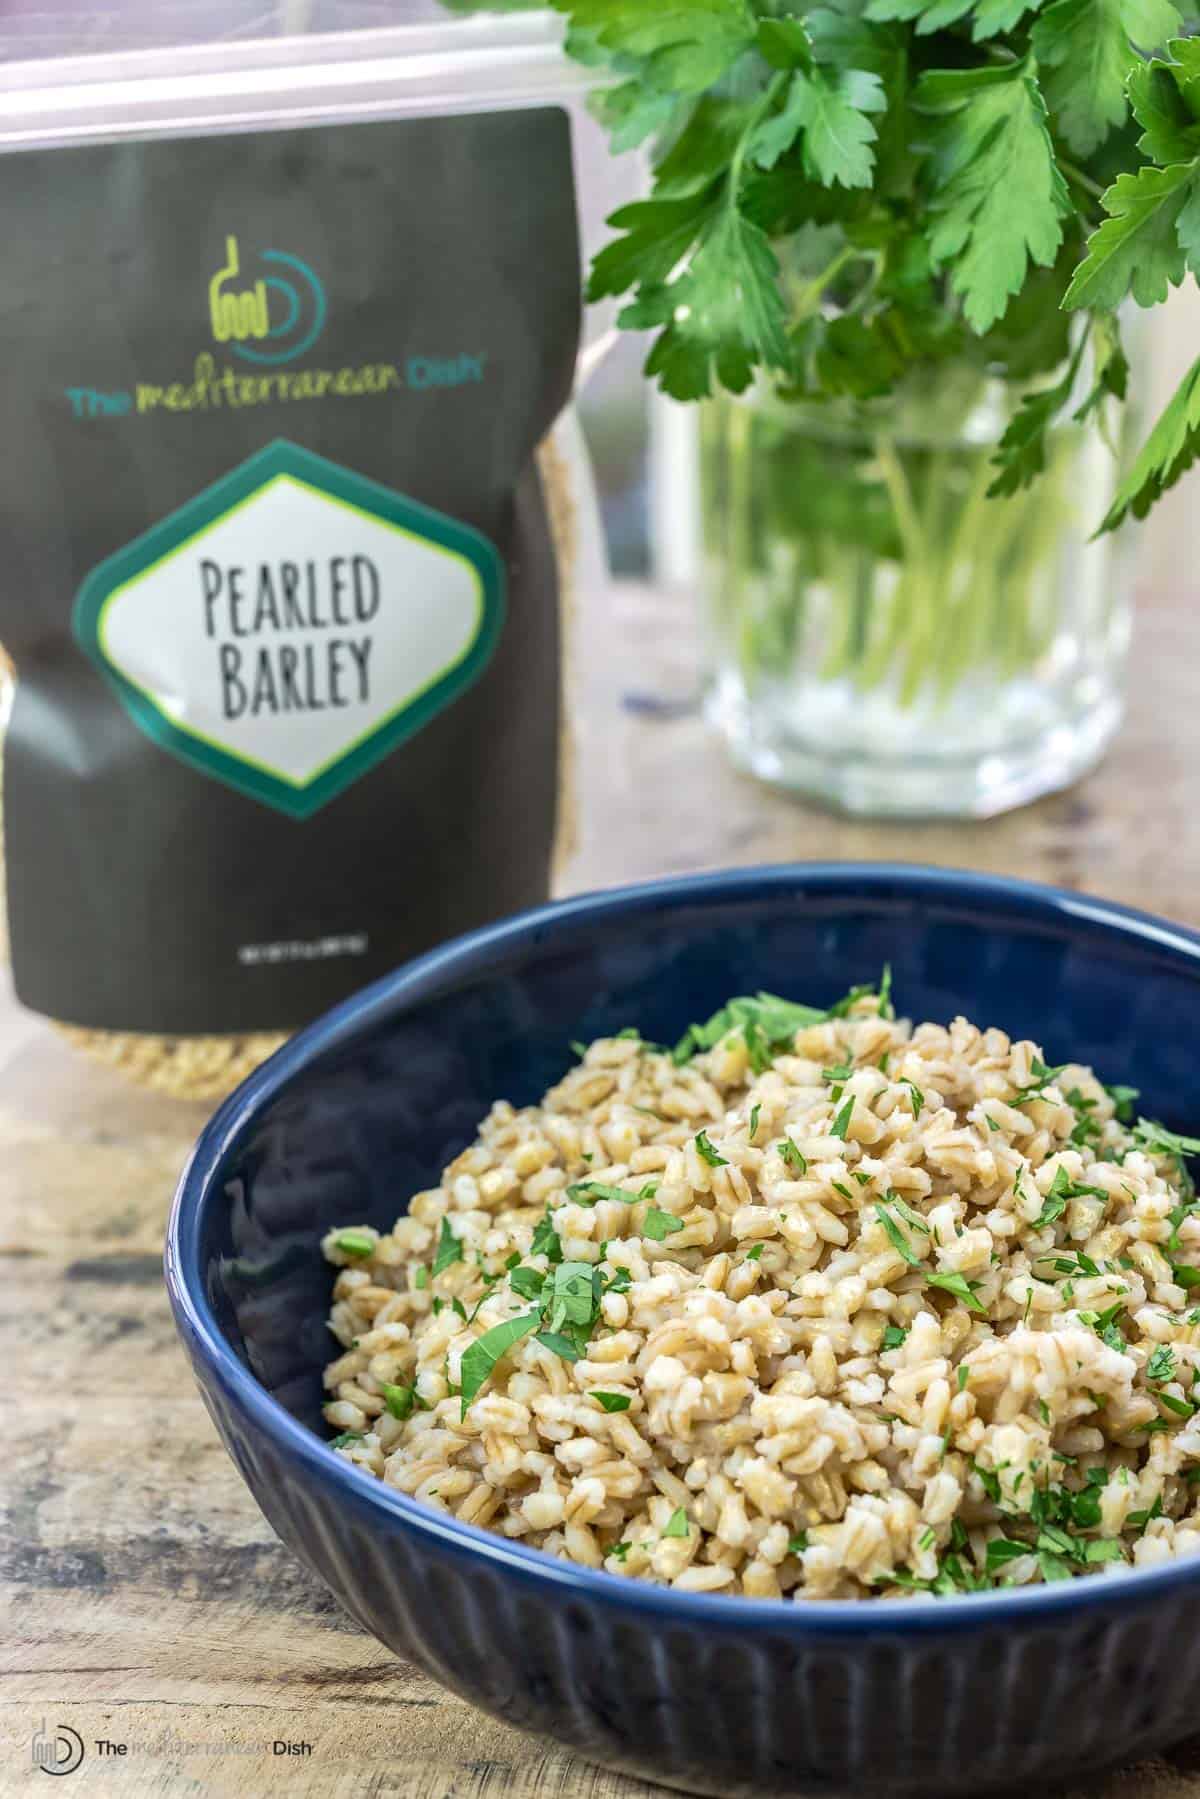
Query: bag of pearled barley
{"x": 286, "y": 524}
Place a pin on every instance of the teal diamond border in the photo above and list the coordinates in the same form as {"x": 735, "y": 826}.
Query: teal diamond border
{"x": 362, "y": 495}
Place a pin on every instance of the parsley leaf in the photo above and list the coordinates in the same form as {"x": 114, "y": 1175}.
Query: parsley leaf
{"x": 346, "y": 1436}
{"x": 722, "y": 316}
{"x": 1137, "y": 249}
{"x": 841, "y": 1123}
{"x": 354, "y": 1243}
{"x": 792, "y": 1156}
{"x": 687, "y": 44}
{"x": 546, "y": 1240}
{"x": 660, "y": 1225}
{"x": 586, "y": 1193}
{"x": 959, "y": 1287}
{"x": 997, "y": 194}
{"x": 677, "y": 1523}
{"x": 896, "y": 1237}
{"x": 707, "y": 1153}
{"x": 527, "y": 1282}
{"x": 399, "y": 1400}
{"x": 479, "y": 1360}
{"x": 449, "y": 1249}
{"x": 828, "y": 113}
{"x": 917, "y": 1097}
{"x": 1085, "y": 51}
{"x": 893, "y": 1337}
{"x": 777, "y": 1020}
{"x": 612, "y": 1402}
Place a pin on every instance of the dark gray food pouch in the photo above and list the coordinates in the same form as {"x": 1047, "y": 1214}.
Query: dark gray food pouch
{"x": 278, "y": 573}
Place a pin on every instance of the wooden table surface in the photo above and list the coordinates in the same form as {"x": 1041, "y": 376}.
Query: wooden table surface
{"x": 145, "y": 1601}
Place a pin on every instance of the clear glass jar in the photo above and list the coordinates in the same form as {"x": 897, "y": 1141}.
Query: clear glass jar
{"x": 884, "y": 637}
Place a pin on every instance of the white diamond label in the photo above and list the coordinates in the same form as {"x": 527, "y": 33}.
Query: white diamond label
{"x": 291, "y": 625}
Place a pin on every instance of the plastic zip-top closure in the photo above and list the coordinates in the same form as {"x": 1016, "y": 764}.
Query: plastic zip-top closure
{"x": 460, "y": 65}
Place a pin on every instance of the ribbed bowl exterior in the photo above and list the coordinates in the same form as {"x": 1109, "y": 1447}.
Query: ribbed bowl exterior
{"x": 712, "y": 1695}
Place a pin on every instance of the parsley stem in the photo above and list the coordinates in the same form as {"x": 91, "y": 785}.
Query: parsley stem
{"x": 771, "y": 93}
{"x": 1075, "y": 174}
{"x": 809, "y": 296}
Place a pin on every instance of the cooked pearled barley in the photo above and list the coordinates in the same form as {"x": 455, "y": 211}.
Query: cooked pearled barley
{"x": 903, "y": 1309}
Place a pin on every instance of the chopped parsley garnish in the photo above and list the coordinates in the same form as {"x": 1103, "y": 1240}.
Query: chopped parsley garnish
{"x": 755, "y": 1112}
{"x": 960, "y": 1287}
{"x": 841, "y": 1071}
{"x": 1143, "y": 1518}
{"x": 989, "y": 1481}
{"x": 896, "y": 1237}
{"x": 400, "y": 1400}
{"x": 1066, "y": 1262}
{"x": 479, "y": 1360}
{"x": 918, "y": 1098}
{"x": 586, "y": 1193}
{"x": 964, "y": 1374}
{"x": 1044, "y": 1412}
{"x": 1062, "y": 1188}
{"x": 450, "y": 1305}
{"x": 449, "y": 1250}
{"x": 909, "y": 1216}
{"x": 660, "y": 1225}
{"x": 707, "y": 1153}
{"x": 792, "y": 1156}
{"x": 346, "y": 1436}
{"x": 677, "y": 1523}
{"x": 799, "y": 1543}
{"x": 843, "y": 1189}
{"x": 567, "y": 1349}
{"x": 1182, "y": 1408}
{"x": 1185, "y": 1277}
{"x": 752, "y": 1255}
{"x": 1043, "y": 1077}
{"x": 841, "y": 1123}
{"x": 527, "y": 1282}
{"x": 354, "y": 1243}
{"x": 1052, "y": 1566}
{"x": 546, "y": 1240}
{"x": 578, "y": 1050}
{"x": 1005, "y": 1549}
{"x": 768, "y": 1025}
{"x": 1157, "y": 1140}
{"x": 1123, "y": 1098}
{"x": 421, "y": 1278}
{"x": 1105, "y": 1325}
{"x": 612, "y": 1402}
{"x": 893, "y": 1337}
{"x": 618, "y": 1551}
{"x": 1161, "y": 1365}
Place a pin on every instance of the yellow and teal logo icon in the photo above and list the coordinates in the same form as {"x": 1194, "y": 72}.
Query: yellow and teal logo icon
{"x": 270, "y": 318}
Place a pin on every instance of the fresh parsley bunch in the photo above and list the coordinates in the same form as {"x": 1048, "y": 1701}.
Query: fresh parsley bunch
{"x": 856, "y": 191}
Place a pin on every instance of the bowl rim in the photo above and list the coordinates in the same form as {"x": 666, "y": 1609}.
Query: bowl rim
{"x": 467, "y": 954}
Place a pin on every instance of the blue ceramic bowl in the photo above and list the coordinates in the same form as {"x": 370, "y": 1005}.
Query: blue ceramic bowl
{"x": 714, "y": 1694}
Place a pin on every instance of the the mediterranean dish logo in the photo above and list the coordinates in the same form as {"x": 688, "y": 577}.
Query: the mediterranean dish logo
{"x": 265, "y": 311}
{"x": 273, "y": 319}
